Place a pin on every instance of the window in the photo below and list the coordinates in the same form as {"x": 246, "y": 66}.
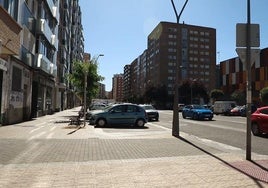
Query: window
{"x": 131, "y": 109}
{"x": 118, "y": 109}
{"x": 12, "y": 7}
{"x": 16, "y": 79}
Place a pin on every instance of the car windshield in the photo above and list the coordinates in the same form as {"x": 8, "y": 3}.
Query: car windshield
{"x": 107, "y": 108}
{"x": 198, "y": 107}
{"x": 148, "y": 107}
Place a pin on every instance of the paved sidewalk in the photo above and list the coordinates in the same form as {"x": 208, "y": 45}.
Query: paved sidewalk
{"x": 93, "y": 158}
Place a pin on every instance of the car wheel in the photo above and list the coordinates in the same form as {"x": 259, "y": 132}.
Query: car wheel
{"x": 255, "y": 129}
{"x": 140, "y": 123}
{"x": 183, "y": 115}
{"x": 101, "y": 122}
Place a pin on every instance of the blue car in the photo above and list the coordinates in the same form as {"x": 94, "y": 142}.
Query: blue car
{"x": 197, "y": 112}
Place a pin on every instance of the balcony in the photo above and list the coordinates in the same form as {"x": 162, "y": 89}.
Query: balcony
{"x": 44, "y": 64}
{"x": 43, "y": 28}
{"x": 27, "y": 57}
{"x": 53, "y": 9}
{"x": 54, "y": 41}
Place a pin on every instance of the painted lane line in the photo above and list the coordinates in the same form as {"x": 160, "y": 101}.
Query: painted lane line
{"x": 36, "y": 129}
{"x": 218, "y": 126}
{"x": 50, "y": 135}
{"x": 37, "y": 136}
{"x": 52, "y": 129}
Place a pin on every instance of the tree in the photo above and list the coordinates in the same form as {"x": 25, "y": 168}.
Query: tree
{"x": 77, "y": 78}
{"x": 239, "y": 97}
{"x": 192, "y": 90}
{"x": 216, "y": 94}
{"x": 264, "y": 95}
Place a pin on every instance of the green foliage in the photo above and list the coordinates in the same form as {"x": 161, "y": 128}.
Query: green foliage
{"x": 264, "y": 95}
{"x": 189, "y": 90}
{"x": 77, "y": 78}
{"x": 216, "y": 94}
{"x": 239, "y": 97}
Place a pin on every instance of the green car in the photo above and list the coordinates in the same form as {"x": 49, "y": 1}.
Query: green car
{"x": 129, "y": 114}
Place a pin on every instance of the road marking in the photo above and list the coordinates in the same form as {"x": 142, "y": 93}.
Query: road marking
{"x": 36, "y": 136}
{"x": 36, "y": 129}
{"x": 204, "y": 140}
{"x": 52, "y": 129}
{"x": 50, "y": 135}
{"x": 217, "y": 126}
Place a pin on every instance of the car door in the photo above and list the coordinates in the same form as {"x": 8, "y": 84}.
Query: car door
{"x": 264, "y": 120}
{"x": 187, "y": 111}
{"x": 131, "y": 114}
{"x": 116, "y": 115}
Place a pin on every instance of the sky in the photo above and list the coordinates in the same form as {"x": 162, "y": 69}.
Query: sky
{"x": 118, "y": 29}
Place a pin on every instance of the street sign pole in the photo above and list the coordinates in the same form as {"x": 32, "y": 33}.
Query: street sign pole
{"x": 248, "y": 36}
{"x": 249, "y": 91}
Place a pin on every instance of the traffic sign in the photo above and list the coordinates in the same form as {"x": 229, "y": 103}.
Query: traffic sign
{"x": 254, "y": 55}
{"x": 241, "y": 35}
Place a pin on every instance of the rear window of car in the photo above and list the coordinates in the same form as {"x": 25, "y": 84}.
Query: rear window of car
{"x": 131, "y": 108}
{"x": 264, "y": 111}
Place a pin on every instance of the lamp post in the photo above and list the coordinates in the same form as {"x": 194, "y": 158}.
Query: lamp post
{"x": 85, "y": 87}
{"x": 175, "y": 122}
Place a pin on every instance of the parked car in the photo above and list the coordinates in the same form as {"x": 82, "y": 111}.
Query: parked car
{"x": 119, "y": 114}
{"x": 197, "y": 112}
{"x": 259, "y": 121}
{"x": 97, "y": 106}
{"x": 223, "y": 107}
{"x": 181, "y": 106}
{"x": 236, "y": 111}
{"x": 152, "y": 113}
{"x": 243, "y": 110}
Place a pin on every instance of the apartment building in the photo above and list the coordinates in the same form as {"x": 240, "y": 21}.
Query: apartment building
{"x": 11, "y": 99}
{"x": 117, "y": 87}
{"x": 127, "y": 83}
{"x": 190, "y": 48}
{"x": 234, "y": 75}
{"x": 71, "y": 48}
{"x": 31, "y": 83}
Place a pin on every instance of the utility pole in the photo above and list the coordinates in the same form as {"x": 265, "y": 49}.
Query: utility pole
{"x": 175, "y": 122}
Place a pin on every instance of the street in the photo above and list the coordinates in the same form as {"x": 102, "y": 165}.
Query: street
{"x": 227, "y": 130}
{"x": 48, "y": 152}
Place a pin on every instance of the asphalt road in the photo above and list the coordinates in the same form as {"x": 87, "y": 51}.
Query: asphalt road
{"x": 226, "y": 131}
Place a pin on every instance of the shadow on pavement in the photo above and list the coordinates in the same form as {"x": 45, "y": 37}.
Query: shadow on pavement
{"x": 122, "y": 127}
{"x": 262, "y": 170}
{"x": 77, "y": 128}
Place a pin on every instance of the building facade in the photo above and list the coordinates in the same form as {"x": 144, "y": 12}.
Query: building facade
{"x": 188, "y": 49}
{"x": 234, "y": 75}
{"x": 117, "y": 88}
{"x": 12, "y": 100}
{"x": 71, "y": 49}
{"x": 32, "y": 74}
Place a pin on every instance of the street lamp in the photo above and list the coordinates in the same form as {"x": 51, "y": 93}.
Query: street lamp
{"x": 175, "y": 122}
{"x": 85, "y": 87}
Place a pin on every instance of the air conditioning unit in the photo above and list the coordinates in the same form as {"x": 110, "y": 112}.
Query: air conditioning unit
{"x": 53, "y": 39}
{"x": 54, "y": 11}
{"x": 29, "y": 59}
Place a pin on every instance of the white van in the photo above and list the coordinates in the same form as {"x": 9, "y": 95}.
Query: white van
{"x": 223, "y": 107}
